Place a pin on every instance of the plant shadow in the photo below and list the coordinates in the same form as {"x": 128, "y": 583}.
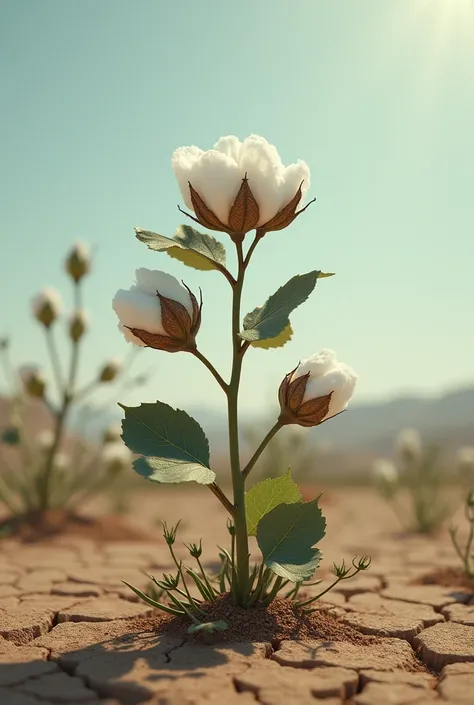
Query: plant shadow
{"x": 131, "y": 667}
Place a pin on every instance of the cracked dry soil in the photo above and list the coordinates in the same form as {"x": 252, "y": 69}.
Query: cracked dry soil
{"x": 71, "y": 633}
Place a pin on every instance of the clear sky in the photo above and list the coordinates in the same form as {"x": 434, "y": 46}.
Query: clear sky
{"x": 376, "y": 95}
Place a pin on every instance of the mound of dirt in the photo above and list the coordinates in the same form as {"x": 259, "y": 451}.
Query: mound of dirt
{"x": 280, "y": 620}
{"x": 43, "y": 526}
{"x": 448, "y": 577}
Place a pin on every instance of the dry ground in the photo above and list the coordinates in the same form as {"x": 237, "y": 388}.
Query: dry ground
{"x": 69, "y": 631}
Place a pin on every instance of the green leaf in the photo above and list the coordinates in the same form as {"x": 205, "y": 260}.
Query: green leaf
{"x": 172, "y": 444}
{"x": 208, "y": 627}
{"x": 267, "y": 495}
{"x": 277, "y": 342}
{"x": 271, "y": 319}
{"x": 193, "y": 248}
{"x": 286, "y": 537}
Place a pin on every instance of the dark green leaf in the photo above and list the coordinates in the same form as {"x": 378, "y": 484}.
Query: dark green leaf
{"x": 173, "y": 446}
{"x": 286, "y": 537}
{"x": 188, "y": 245}
{"x": 271, "y": 319}
{"x": 267, "y": 495}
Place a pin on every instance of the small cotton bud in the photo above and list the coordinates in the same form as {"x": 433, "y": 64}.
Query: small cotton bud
{"x": 44, "y": 439}
{"x": 194, "y": 549}
{"x": 318, "y": 389}
{"x": 47, "y": 306}
{"x": 77, "y": 263}
{"x": 116, "y": 457}
{"x": 78, "y": 325}
{"x": 158, "y": 312}
{"x": 33, "y": 380}
{"x": 110, "y": 370}
{"x": 112, "y": 433}
{"x": 408, "y": 445}
{"x": 169, "y": 535}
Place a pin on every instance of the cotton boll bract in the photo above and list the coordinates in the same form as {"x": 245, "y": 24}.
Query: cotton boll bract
{"x": 318, "y": 389}
{"x": 158, "y": 312}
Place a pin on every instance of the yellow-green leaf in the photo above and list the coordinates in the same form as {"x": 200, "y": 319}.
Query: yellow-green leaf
{"x": 277, "y": 342}
{"x": 191, "y": 258}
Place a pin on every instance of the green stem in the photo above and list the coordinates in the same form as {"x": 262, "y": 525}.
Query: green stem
{"x": 206, "y": 579}
{"x": 215, "y": 489}
{"x": 211, "y": 369}
{"x": 272, "y": 432}
{"x": 242, "y": 567}
{"x": 55, "y": 360}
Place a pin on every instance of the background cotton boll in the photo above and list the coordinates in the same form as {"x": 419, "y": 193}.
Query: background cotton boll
{"x": 465, "y": 462}
{"x": 116, "y": 456}
{"x": 408, "y": 444}
{"x": 45, "y": 439}
{"x": 47, "y": 306}
{"x": 384, "y": 470}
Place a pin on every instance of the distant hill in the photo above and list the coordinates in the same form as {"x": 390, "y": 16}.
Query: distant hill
{"x": 354, "y": 439}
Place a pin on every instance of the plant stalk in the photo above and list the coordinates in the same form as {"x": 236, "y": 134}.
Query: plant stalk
{"x": 242, "y": 567}
{"x": 272, "y": 432}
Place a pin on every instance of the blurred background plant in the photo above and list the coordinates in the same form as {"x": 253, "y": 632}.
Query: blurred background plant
{"x": 53, "y": 468}
{"x": 292, "y": 447}
{"x": 417, "y": 473}
{"x": 466, "y": 552}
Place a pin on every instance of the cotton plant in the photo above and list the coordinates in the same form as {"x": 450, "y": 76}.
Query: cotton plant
{"x": 415, "y": 470}
{"x": 42, "y": 476}
{"x": 465, "y": 465}
{"x": 235, "y": 188}
{"x": 466, "y": 552}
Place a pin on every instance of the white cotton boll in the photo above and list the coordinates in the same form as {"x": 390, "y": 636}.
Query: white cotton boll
{"x": 465, "y": 460}
{"x": 61, "y": 461}
{"x": 111, "y": 369}
{"x": 45, "y": 439}
{"x": 47, "y": 306}
{"x": 328, "y": 376}
{"x": 137, "y": 309}
{"x": 78, "y": 261}
{"x": 325, "y": 377}
{"x": 113, "y": 433}
{"x": 317, "y": 365}
{"x": 217, "y": 174}
{"x": 150, "y": 281}
{"x": 385, "y": 471}
{"x": 140, "y": 308}
{"x": 116, "y": 456}
{"x": 408, "y": 444}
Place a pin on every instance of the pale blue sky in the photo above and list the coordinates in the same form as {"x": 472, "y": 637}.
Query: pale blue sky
{"x": 376, "y": 95}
